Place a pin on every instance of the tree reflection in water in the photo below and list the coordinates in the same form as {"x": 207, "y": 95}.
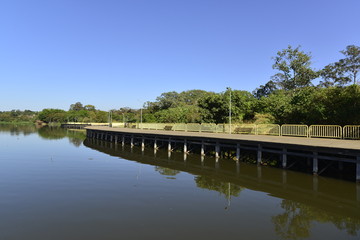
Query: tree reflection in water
{"x": 167, "y": 172}
{"x": 17, "y": 129}
{"x": 296, "y": 221}
{"x": 224, "y": 188}
{"x": 75, "y": 136}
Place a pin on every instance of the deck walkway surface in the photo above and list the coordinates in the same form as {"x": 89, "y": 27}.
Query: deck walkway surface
{"x": 350, "y": 145}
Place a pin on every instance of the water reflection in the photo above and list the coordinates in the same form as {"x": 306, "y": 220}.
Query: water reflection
{"x": 76, "y": 137}
{"x": 167, "y": 171}
{"x": 224, "y": 188}
{"x": 297, "y": 219}
{"x": 18, "y": 129}
{"x": 305, "y": 201}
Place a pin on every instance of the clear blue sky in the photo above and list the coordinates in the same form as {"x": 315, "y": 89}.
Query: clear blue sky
{"x": 116, "y": 53}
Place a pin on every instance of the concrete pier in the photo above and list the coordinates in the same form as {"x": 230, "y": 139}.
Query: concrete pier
{"x": 343, "y": 151}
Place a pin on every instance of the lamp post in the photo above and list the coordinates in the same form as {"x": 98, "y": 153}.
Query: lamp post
{"x": 229, "y": 89}
{"x": 141, "y": 118}
{"x": 110, "y": 118}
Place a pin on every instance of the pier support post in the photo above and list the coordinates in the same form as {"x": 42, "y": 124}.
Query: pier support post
{"x": 358, "y": 168}
{"x": 202, "y": 149}
{"x": 284, "y": 157}
{"x": 132, "y": 141}
{"x": 259, "y": 154}
{"x": 185, "y": 146}
{"x": 142, "y": 143}
{"x": 123, "y": 140}
{"x": 169, "y": 145}
{"x": 237, "y": 151}
{"x": 116, "y": 139}
{"x": 217, "y": 150}
{"x": 155, "y": 144}
{"x": 111, "y": 137}
{"x": 315, "y": 163}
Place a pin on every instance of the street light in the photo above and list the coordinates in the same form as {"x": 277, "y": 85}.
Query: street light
{"x": 110, "y": 118}
{"x": 229, "y": 89}
{"x": 141, "y": 118}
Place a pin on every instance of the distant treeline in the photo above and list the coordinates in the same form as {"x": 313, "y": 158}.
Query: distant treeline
{"x": 290, "y": 96}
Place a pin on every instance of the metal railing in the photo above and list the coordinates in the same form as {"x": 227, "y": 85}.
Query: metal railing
{"x": 351, "y": 132}
{"x": 241, "y": 128}
{"x": 325, "y": 131}
{"x": 298, "y": 130}
{"x": 294, "y": 130}
{"x": 268, "y": 129}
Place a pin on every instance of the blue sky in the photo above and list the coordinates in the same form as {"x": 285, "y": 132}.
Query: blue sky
{"x": 116, "y": 53}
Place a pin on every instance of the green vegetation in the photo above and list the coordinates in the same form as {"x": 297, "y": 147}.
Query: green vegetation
{"x": 290, "y": 96}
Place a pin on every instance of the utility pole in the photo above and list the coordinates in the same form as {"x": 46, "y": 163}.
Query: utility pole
{"x": 229, "y": 89}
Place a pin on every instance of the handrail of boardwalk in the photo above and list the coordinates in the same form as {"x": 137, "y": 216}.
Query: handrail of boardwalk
{"x": 294, "y": 130}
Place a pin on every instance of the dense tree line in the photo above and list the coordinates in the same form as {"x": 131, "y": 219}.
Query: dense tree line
{"x": 290, "y": 96}
{"x": 18, "y": 116}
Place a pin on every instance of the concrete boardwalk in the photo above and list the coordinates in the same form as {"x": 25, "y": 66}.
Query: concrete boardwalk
{"x": 302, "y": 142}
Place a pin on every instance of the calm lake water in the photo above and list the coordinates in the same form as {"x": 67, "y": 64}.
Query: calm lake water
{"x": 54, "y": 184}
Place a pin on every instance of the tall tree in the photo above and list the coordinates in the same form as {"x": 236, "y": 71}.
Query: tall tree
{"x": 76, "y": 107}
{"x": 294, "y": 69}
{"x": 265, "y": 90}
{"x": 351, "y": 62}
{"x": 343, "y": 71}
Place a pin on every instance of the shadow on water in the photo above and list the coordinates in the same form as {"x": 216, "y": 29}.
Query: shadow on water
{"x": 305, "y": 199}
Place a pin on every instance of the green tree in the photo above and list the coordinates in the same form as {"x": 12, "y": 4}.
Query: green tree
{"x": 52, "y": 115}
{"x": 76, "y": 106}
{"x": 294, "y": 68}
{"x": 215, "y": 106}
{"x": 265, "y": 90}
{"x": 89, "y": 107}
{"x": 343, "y": 71}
